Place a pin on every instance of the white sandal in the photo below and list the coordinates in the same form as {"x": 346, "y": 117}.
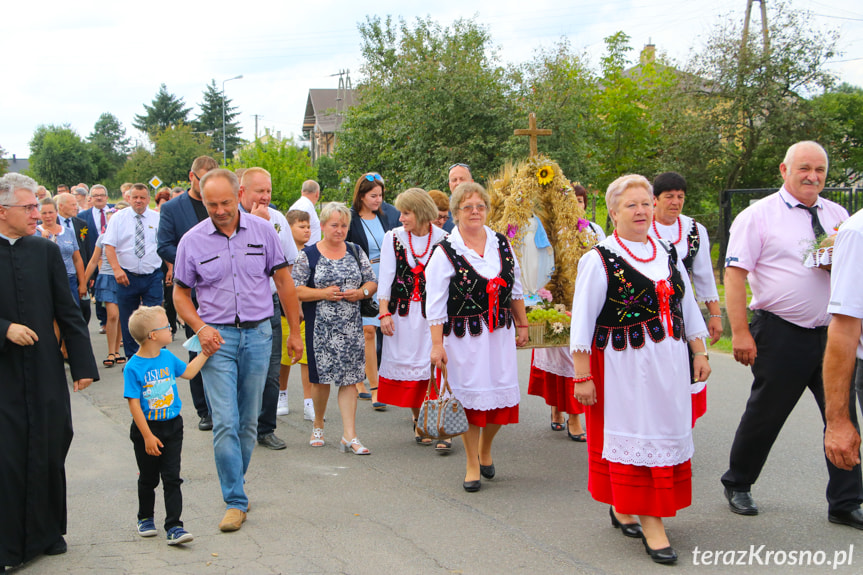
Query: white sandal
{"x": 355, "y": 446}
{"x": 317, "y": 439}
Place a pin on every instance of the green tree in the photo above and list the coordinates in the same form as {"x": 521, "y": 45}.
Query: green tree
{"x": 167, "y": 110}
{"x": 559, "y": 87}
{"x": 58, "y": 155}
{"x": 329, "y": 177}
{"x": 430, "y": 96}
{"x": 175, "y": 149}
{"x": 755, "y": 95}
{"x": 210, "y": 119}
{"x": 4, "y": 165}
{"x": 842, "y": 113}
{"x": 288, "y": 164}
{"x": 109, "y": 136}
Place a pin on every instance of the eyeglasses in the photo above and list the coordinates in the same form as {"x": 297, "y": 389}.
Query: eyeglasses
{"x": 465, "y": 166}
{"x": 160, "y": 328}
{"x": 374, "y": 177}
{"x": 27, "y": 207}
{"x": 480, "y": 208}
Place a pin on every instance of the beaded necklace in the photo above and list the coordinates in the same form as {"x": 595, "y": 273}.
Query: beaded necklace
{"x": 632, "y": 255}
{"x": 411, "y": 245}
{"x": 679, "y": 231}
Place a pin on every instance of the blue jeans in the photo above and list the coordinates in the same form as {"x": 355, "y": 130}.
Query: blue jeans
{"x": 142, "y": 290}
{"x": 234, "y": 380}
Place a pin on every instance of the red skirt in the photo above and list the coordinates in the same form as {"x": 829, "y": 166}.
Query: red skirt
{"x": 403, "y": 393}
{"x": 699, "y": 405}
{"x": 633, "y": 490}
{"x": 557, "y": 390}
{"x": 499, "y": 416}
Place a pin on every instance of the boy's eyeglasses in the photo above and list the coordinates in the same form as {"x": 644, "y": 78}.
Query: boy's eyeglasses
{"x": 160, "y": 328}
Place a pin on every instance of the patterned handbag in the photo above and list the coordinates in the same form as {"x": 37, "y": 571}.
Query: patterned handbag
{"x": 444, "y": 417}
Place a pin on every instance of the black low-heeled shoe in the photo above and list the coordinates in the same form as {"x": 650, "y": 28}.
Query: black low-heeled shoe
{"x": 628, "y": 529}
{"x": 486, "y": 471}
{"x": 663, "y": 556}
{"x": 472, "y": 486}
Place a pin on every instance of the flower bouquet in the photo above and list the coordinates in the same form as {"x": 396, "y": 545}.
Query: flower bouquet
{"x": 548, "y": 323}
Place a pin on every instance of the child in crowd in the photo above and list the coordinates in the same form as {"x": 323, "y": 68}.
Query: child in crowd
{"x": 301, "y": 230}
{"x": 157, "y": 431}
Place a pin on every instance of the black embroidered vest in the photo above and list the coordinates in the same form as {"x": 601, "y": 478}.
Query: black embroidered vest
{"x": 632, "y": 304}
{"x": 693, "y": 242}
{"x": 403, "y": 283}
{"x": 468, "y": 303}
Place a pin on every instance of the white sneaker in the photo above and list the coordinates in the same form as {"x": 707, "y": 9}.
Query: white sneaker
{"x": 282, "y": 407}
{"x": 309, "y": 412}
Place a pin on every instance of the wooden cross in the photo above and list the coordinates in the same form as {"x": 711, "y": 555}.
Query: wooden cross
{"x": 532, "y": 132}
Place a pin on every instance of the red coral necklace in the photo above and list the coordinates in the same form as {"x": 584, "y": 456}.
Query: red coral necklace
{"x": 425, "y": 251}
{"x": 679, "y": 231}
{"x": 632, "y": 255}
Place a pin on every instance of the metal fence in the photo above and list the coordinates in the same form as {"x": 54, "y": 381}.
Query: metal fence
{"x": 732, "y": 202}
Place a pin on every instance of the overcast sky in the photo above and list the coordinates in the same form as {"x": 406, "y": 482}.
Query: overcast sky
{"x": 68, "y": 62}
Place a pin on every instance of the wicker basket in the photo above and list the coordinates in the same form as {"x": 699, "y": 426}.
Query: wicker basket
{"x": 536, "y": 337}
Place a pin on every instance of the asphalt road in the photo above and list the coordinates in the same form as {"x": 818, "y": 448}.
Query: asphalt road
{"x": 402, "y": 509}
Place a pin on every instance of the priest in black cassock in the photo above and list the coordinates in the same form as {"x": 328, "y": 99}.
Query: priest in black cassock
{"x": 35, "y": 413}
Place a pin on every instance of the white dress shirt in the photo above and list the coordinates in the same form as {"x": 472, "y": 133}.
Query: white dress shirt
{"x": 121, "y": 234}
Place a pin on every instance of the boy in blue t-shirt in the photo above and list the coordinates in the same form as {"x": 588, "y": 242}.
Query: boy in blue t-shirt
{"x": 157, "y": 432}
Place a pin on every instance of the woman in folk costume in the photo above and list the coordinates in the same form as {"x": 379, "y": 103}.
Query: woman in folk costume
{"x": 632, "y": 316}
{"x": 551, "y": 370}
{"x": 692, "y": 244}
{"x": 476, "y": 312}
{"x": 405, "y": 253}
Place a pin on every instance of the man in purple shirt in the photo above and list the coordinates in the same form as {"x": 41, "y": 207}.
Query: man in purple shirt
{"x": 785, "y": 342}
{"x": 229, "y": 259}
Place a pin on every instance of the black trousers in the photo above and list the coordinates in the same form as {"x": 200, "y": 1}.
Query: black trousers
{"x": 166, "y": 466}
{"x": 789, "y": 361}
{"x": 270, "y": 397}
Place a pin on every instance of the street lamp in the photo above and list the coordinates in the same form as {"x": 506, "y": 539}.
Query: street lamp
{"x": 224, "y": 133}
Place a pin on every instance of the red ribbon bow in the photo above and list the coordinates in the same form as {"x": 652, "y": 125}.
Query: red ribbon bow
{"x": 418, "y": 271}
{"x": 493, "y": 289}
{"x": 664, "y": 291}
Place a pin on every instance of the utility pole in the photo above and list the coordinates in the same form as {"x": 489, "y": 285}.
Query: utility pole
{"x": 257, "y": 117}
{"x": 764, "y": 35}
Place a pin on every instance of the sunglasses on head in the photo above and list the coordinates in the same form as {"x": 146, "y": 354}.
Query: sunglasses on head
{"x": 465, "y": 166}
{"x": 374, "y": 177}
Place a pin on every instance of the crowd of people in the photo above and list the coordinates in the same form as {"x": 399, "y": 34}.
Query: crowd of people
{"x": 400, "y": 296}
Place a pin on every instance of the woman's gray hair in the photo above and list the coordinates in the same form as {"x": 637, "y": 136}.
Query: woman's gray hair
{"x": 465, "y": 190}
{"x": 620, "y": 185}
{"x": 10, "y": 183}
{"x": 335, "y": 208}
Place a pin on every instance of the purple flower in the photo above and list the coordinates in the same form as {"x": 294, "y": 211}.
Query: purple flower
{"x": 583, "y": 224}
{"x": 511, "y": 230}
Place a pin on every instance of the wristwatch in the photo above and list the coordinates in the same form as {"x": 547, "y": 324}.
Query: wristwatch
{"x": 365, "y": 292}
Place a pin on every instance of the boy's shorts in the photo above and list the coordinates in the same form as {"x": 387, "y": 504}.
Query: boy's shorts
{"x": 286, "y": 331}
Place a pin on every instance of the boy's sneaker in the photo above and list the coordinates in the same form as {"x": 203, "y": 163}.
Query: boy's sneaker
{"x": 282, "y": 407}
{"x": 146, "y": 527}
{"x": 177, "y": 536}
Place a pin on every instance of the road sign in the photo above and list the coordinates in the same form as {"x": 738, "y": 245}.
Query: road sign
{"x": 155, "y": 182}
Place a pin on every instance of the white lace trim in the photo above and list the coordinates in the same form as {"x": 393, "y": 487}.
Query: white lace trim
{"x": 647, "y": 452}
{"x": 706, "y": 299}
{"x": 457, "y": 243}
{"x": 406, "y": 373}
{"x": 697, "y": 335}
{"x": 486, "y": 400}
{"x": 579, "y": 347}
{"x": 437, "y": 321}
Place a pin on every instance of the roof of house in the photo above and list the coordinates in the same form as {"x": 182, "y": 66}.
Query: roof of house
{"x": 325, "y": 109}
{"x": 16, "y": 164}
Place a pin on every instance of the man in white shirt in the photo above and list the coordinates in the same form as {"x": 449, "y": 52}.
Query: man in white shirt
{"x": 311, "y": 193}
{"x": 130, "y": 246}
{"x": 844, "y": 341}
{"x": 256, "y": 189}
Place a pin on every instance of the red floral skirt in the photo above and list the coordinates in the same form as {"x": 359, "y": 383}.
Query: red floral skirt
{"x": 632, "y": 489}
{"x": 557, "y": 390}
{"x": 403, "y": 393}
